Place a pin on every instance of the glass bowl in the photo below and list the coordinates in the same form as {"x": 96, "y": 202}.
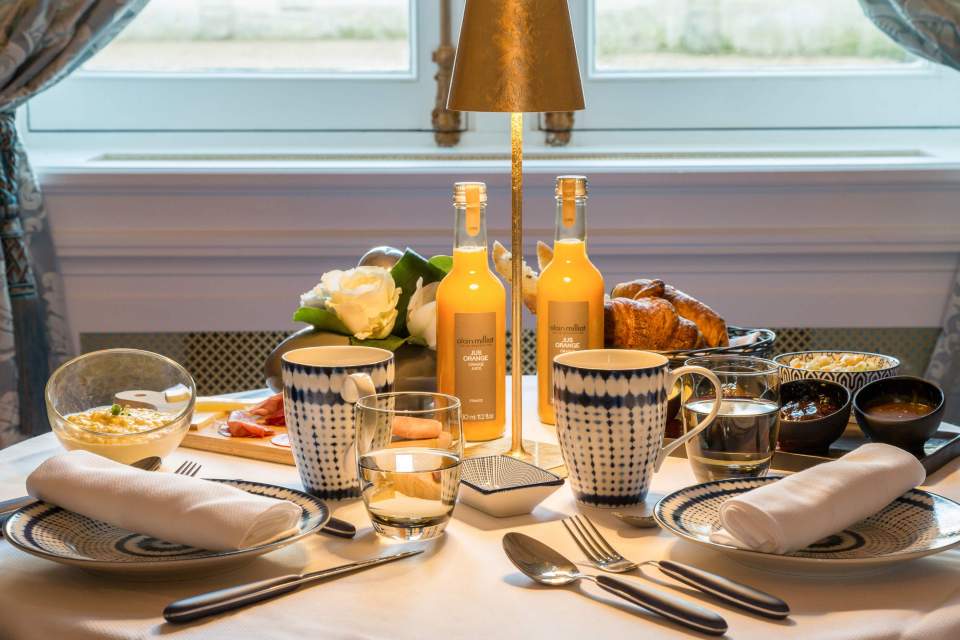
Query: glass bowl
{"x": 93, "y": 379}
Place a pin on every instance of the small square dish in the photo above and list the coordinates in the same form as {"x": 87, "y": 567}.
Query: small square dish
{"x": 502, "y": 486}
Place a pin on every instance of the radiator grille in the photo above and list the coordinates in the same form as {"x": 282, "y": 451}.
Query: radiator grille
{"x": 223, "y": 361}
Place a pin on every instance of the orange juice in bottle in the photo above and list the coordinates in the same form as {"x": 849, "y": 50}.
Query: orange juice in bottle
{"x": 569, "y": 292}
{"x": 471, "y": 322}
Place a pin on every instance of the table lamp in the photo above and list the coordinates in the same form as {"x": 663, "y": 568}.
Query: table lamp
{"x": 516, "y": 56}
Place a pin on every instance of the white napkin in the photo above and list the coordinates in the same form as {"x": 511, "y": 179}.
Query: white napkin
{"x": 171, "y": 507}
{"x": 810, "y": 505}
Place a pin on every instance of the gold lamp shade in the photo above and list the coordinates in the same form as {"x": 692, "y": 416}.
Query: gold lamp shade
{"x": 516, "y": 56}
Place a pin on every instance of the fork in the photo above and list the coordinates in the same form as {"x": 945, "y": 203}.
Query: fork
{"x": 189, "y": 468}
{"x": 604, "y": 557}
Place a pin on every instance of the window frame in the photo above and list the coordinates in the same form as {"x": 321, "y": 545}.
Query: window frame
{"x": 391, "y": 112}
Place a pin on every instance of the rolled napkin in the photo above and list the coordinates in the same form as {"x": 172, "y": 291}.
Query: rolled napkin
{"x": 171, "y": 507}
{"x": 810, "y": 505}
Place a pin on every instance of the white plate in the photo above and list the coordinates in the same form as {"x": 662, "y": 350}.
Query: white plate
{"x": 916, "y": 524}
{"x": 47, "y": 531}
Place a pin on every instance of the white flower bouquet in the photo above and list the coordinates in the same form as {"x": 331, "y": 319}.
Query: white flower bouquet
{"x": 379, "y": 306}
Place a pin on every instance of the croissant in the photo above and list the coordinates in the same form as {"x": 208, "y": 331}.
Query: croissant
{"x": 647, "y": 323}
{"x": 502, "y": 261}
{"x": 712, "y": 326}
{"x": 639, "y": 288}
{"x": 687, "y": 336}
{"x": 544, "y": 254}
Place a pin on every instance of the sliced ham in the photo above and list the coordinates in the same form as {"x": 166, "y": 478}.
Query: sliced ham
{"x": 270, "y": 411}
{"x": 243, "y": 424}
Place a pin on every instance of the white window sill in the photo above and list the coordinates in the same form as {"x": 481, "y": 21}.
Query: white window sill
{"x": 63, "y": 157}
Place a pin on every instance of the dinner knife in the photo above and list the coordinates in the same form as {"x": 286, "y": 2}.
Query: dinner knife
{"x": 214, "y": 602}
{"x": 11, "y": 505}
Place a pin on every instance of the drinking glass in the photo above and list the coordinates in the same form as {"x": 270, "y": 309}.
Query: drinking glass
{"x": 741, "y": 441}
{"x": 409, "y": 448}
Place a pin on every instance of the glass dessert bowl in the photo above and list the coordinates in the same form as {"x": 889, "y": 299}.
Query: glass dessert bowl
{"x": 86, "y": 413}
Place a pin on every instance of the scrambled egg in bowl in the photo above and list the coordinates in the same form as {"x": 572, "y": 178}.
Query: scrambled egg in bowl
{"x": 125, "y": 434}
{"x": 110, "y": 420}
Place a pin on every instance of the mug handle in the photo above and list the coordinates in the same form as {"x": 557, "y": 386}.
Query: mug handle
{"x": 709, "y": 375}
{"x": 356, "y": 386}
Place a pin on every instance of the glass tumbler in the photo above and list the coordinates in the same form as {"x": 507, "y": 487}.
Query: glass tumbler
{"x": 409, "y": 448}
{"x": 741, "y": 441}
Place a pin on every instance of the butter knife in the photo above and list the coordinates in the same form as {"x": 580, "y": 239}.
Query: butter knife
{"x": 214, "y": 602}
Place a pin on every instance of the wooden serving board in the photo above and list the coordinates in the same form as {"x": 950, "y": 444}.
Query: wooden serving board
{"x": 207, "y": 437}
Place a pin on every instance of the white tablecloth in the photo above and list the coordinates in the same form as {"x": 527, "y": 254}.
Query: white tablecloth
{"x": 463, "y": 587}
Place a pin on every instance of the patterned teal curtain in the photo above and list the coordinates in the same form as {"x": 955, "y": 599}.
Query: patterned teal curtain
{"x": 41, "y": 42}
{"x": 931, "y": 30}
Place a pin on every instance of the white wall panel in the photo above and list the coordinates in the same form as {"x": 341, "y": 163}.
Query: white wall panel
{"x": 227, "y": 250}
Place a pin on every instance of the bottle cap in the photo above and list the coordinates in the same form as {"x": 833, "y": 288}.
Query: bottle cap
{"x": 571, "y": 186}
{"x": 461, "y": 191}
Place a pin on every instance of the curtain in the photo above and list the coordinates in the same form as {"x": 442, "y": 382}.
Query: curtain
{"x": 931, "y": 30}
{"x": 41, "y": 42}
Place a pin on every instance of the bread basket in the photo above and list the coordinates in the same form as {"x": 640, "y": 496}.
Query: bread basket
{"x": 762, "y": 347}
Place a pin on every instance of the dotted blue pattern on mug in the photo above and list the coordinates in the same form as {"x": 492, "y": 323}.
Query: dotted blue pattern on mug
{"x": 610, "y": 425}
{"x": 321, "y": 426}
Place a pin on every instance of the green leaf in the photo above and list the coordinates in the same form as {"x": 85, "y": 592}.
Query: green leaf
{"x": 390, "y": 343}
{"x": 410, "y": 268}
{"x": 444, "y": 263}
{"x": 322, "y": 319}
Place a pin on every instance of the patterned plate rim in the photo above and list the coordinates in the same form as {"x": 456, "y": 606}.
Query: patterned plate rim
{"x": 16, "y": 543}
{"x": 668, "y": 526}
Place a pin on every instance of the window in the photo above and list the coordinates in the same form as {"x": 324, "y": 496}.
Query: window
{"x": 712, "y": 35}
{"x": 255, "y": 65}
{"x": 752, "y": 64}
{"x": 263, "y": 36}
{"x": 260, "y": 68}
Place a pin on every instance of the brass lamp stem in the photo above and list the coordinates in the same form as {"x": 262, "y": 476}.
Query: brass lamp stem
{"x": 516, "y": 290}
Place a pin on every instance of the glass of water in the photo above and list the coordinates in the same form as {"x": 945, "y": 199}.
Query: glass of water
{"x": 741, "y": 441}
{"x": 409, "y": 448}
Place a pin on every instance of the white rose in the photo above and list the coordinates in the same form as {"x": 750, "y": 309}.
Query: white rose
{"x": 365, "y": 300}
{"x": 422, "y": 313}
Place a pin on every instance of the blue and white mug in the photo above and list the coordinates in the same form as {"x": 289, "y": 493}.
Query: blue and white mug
{"x": 320, "y": 387}
{"x": 611, "y": 409}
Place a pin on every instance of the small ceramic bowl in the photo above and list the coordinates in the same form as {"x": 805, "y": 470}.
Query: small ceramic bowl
{"x": 815, "y": 436}
{"x": 502, "y": 486}
{"x": 881, "y": 367}
{"x": 907, "y": 434}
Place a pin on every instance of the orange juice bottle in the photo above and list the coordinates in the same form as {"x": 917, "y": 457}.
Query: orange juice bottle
{"x": 569, "y": 293}
{"x": 471, "y": 322}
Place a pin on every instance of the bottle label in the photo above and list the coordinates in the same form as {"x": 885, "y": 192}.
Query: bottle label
{"x": 566, "y": 331}
{"x": 475, "y": 373}
{"x": 473, "y": 210}
{"x": 569, "y": 210}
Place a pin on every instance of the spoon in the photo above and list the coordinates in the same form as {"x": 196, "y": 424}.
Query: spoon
{"x": 638, "y": 521}
{"x": 151, "y": 463}
{"x": 546, "y": 566}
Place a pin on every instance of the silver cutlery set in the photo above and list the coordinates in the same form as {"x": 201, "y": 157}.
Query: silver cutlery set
{"x": 540, "y": 563}
{"x": 546, "y": 566}
{"x": 536, "y": 560}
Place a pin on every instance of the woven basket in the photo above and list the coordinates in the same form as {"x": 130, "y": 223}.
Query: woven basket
{"x": 762, "y": 348}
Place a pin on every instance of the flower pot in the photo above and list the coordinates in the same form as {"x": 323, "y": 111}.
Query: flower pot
{"x": 416, "y": 366}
